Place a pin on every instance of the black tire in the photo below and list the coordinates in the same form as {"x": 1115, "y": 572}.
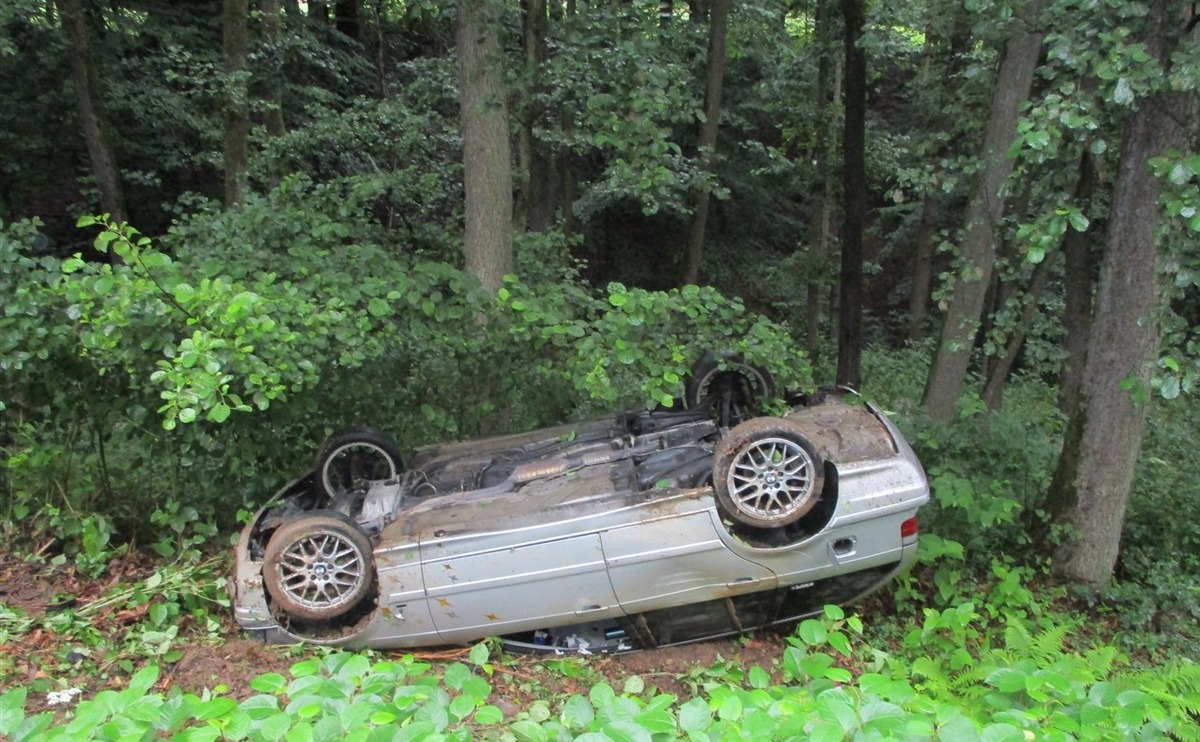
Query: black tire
{"x": 731, "y": 391}
{"x": 318, "y": 566}
{"x": 767, "y": 474}
{"x": 354, "y": 457}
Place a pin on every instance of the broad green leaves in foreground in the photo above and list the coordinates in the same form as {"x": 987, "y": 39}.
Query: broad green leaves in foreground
{"x": 1032, "y": 688}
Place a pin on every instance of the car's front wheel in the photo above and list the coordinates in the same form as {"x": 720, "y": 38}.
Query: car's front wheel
{"x": 318, "y": 567}
{"x": 767, "y": 474}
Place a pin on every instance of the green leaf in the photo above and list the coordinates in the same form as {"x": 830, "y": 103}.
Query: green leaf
{"x": 812, "y": 632}
{"x": 271, "y": 682}
{"x": 488, "y": 715}
{"x": 1123, "y": 92}
{"x": 219, "y": 412}
{"x": 577, "y": 713}
{"x": 378, "y": 307}
{"x": 758, "y": 677}
{"x": 479, "y": 654}
{"x": 1007, "y": 680}
{"x": 12, "y": 710}
{"x": 215, "y": 708}
{"x": 695, "y": 716}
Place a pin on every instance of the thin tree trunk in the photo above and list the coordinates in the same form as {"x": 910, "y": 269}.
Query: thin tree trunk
{"x": 944, "y": 78}
{"x": 272, "y": 35}
{"x": 984, "y": 211}
{"x": 90, "y": 97}
{"x": 346, "y": 17}
{"x": 714, "y": 77}
{"x": 1002, "y": 292}
{"x": 993, "y": 391}
{"x": 535, "y": 205}
{"x": 381, "y": 59}
{"x": 819, "y": 226}
{"x": 487, "y": 169}
{"x": 237, "y": 114}
{"x": 1077, "y": 312}
{"x": 854, "y": 193}
{"x": 922, "y": 276}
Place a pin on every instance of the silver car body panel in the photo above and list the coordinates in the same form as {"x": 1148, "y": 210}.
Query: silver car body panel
{"x": 570, "y": 536}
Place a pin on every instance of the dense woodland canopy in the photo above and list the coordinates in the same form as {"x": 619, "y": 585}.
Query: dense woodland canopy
{"x": 230, "y": 228}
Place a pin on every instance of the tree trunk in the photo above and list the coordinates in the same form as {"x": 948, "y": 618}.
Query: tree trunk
{"x": 718, "y": 24}
{"x": 1095, "y": 472}
{"x": 237, "y": 114}
{"x": 922, "y": 276}
{"x": 984, "y": 211}
{"x": 1077, "y": 313}
{"x": 854, "y": 194}
{"x": 943, "y": 79}
{"x": 822, "y": 211}
{"x": 90, "y": 98}
{"x": 993, "y": 391}
{"x": 487, "y": 167}
{"x": 345, "y": 17}
{"x": 535, "y": 203}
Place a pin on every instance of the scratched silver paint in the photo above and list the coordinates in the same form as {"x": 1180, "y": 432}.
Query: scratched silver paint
{"x": 577, "y": 542}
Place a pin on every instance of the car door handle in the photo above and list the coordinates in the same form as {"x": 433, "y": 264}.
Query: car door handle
{"x": 589, "y": 608}
{"x": 742, "y": 582}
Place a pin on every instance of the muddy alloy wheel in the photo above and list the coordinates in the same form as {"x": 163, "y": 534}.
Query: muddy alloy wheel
{"x": 354, "y": 457}
{"x": 318, "y": 566}
{"x": 767, "y": 474}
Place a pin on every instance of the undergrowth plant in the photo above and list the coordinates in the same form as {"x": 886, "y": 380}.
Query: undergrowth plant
{"x": 1030, "y": 685}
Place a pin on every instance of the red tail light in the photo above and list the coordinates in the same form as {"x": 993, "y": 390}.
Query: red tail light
{"x": 909, "y": 528}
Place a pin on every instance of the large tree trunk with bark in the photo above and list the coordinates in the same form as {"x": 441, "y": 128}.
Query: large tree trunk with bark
{"x": 90, "y": 97}
{"x": 718, "y": 25}
{"x": 1095, "y": 472}
{"x": 854, "y": 195}
{"x": 237, "y": 104}
{"x": 487, "y": 166}
{"x": 984, "y": 211}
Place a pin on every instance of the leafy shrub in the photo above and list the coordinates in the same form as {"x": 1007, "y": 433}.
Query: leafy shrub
{"x": 988, "y": 471}
{"x": 204, "y": 376}
{"x": 834, "y": 687}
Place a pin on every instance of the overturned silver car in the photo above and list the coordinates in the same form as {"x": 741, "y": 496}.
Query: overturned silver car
{"x": 650, "y": 528}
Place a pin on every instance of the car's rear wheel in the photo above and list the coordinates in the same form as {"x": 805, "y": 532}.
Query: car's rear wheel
{"x": 354, "y": 457}
{"x": 767, "y": 474}
{"x": 731, "y": 391}
{"x": 318, "y": 567}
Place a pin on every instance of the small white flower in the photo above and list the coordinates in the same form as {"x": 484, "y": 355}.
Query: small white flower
{"x": 60, "y": 697}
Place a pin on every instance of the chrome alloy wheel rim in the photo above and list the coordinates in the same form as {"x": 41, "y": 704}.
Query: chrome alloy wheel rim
{"x": 771, "y": 478}
{"x": 321, "y": 570}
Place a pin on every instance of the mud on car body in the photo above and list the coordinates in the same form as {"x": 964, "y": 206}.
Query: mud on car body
{"x": 641, "y": 530}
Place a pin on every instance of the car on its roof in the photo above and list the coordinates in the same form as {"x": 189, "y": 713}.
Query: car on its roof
{"x": 640, "y": 530}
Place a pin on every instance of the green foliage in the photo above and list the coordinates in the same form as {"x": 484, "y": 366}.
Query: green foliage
{"x": 988, "y": 471}
{"x": 203, "y": 376}
{"x": 942, "y": 683}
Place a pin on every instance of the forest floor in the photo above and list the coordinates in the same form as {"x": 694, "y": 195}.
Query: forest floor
{"x": 46, "y": 646}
